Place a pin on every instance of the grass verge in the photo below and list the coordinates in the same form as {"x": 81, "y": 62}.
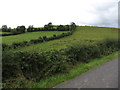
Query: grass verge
{"x": 75, "y": 71}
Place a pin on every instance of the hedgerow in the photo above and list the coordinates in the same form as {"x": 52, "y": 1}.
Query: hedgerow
{"x": 35, "y": 41}
{"x": 36, "y": 66}
{"x": 47, "y": 27}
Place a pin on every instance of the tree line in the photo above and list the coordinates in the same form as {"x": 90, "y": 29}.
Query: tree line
{"x": 31, "y": 28}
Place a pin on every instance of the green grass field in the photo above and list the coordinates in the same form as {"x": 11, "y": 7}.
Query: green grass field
{"x": 28, "y": 36}
{"x": 5, "y": 33}
{"x": 83, "y": 35}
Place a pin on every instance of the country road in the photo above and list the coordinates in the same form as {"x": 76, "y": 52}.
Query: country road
{"x": 104, "y": 76}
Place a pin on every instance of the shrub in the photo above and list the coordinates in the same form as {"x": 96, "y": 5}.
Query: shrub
{"x": 44, "y": 38}
{"x": 54, "y": 35}
{"x": 15, "y": 45}
{"x": 30, "y": 28}
{"x": 35, "y": 41}
{"x": 35, "y": 66}
{"x": 85, "y": 53}
{"x": 10, "y": 65}
{"x": 79, "y": 53}
{"x": 4, "y": 46}
{"x": 20, "y": 29}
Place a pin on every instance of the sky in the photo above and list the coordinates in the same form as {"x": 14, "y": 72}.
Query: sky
{"x": 102, "y": 13}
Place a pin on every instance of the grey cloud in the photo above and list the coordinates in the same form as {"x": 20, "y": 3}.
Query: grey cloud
{"x": 107, "y": 15}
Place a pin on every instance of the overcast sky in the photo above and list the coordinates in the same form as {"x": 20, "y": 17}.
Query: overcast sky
{"x": 39, "y": 12}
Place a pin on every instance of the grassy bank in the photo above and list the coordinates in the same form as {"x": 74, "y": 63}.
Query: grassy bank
{"x": 75, "y": 71}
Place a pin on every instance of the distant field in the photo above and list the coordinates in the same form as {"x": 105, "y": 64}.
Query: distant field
{"x": 5, "y": 33}
{"x": 28, "y": 36}
{"x": 83, "y": 35}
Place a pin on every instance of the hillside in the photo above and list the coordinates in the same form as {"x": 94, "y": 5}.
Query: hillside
{"x": 32, "y": 64}
{"x": 82, "y": 35}
{"x": 28, "y": 36}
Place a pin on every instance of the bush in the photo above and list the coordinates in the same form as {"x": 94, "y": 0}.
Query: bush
{"x": 20, "y": 29}
{"x": 35, "y": 41}
{"x": 85, "y": 53}
{"x": 10, "y": 66}
{"x": 4, "y": 46}
{"x": 79, "y": 53}
{"x": 44, "y": 38}
{"x": 35, "y": 66}
{"x": 15, "y": 45}
{"x": 54, "y": 35}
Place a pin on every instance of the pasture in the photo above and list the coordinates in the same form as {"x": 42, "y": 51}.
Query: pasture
{"x": 82, "y": 35}
{"x": 28, "y": 36}
{"x": 41, "y": 62}
{"x": 5, "y": 33}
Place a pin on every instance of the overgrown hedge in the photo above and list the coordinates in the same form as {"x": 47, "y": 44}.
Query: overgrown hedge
{"x": 35, "y": 41}
{"x": 35, "y": 66}
{"x": 10, "y": 34}
{"x": 47, "y": 27}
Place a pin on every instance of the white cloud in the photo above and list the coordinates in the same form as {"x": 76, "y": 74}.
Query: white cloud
{"x": 40, "y": 12}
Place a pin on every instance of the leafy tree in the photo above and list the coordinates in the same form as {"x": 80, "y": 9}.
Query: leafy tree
{"x": 73, "y": 25}
{"x": 50, "y": 23}
{"x": 14, "y": 31}
{"x": 60, "y": 28}
{"x": 20, "y": 29}
{"x": 30, "y": 28}
{"x": 4, "y": 28}
{"x": 9, "y": 29}
{"x": 67, "y": 27}
{"x": 48, "y": 26}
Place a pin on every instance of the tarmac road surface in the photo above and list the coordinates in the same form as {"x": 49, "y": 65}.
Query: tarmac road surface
{"x": 104, "y": 76}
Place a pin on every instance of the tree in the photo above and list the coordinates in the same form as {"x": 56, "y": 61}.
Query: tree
{"x": 67, "y": 27}
{"x": 9, "y": 29}
{"x": 14, "y": 31}
{"x": 73, "y": 25}
{"x": 48, "y": 26}
{"x": 4, "y": 28}
{"x": 60, "y": 28}
{"x": 20, "y": 29}
{"x": 30, "y": 28}
{"x": 50, "y": 23}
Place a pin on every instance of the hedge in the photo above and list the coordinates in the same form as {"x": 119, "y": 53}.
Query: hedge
{"x": 36, "y": 66}
{"x": 10, "y": 34}
{"x": 35, "y": 41}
